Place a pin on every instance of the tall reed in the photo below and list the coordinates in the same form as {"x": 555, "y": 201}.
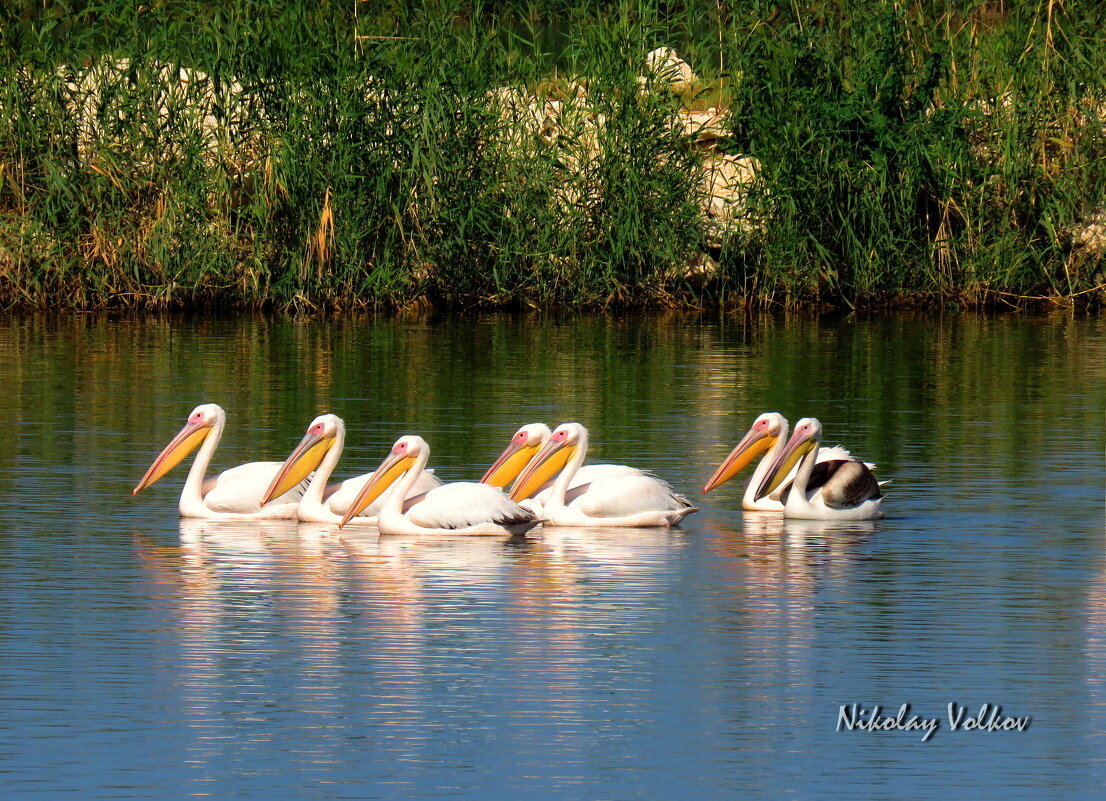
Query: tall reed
{"x": 310, "y": 155}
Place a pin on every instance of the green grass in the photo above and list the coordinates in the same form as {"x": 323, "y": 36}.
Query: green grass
{"x": 360, "y": 154}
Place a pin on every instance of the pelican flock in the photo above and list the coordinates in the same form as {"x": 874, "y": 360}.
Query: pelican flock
{"x": 768, "y": 436}
{"x": 839, "y": 489}
{"x": 630, "y": 499}
{"x": 316, "y": 456}
{"x": 523, "y": 451}
{"x": 463, "y": 507}
{"x": 552, "y": 485}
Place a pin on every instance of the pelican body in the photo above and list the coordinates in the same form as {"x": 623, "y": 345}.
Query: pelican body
{"x": 523, "y": 450}
{"x": 767, "y": 436}
{"x": 234, "y": 494}
{"x": 319, "y": 451}
{"x": 833, "y": 490}
{"x": 461, "y": 507}
{"x": 636, "y": 500}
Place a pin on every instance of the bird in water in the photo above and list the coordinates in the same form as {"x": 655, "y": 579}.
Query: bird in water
{"x": 234, "y": 494}
{"x": 638, "y": 500}
{"x": 834, "y": 490}
{"x": 462, "y": 507}
{"x": 316, "y": 456}
{"x": 523, "y": 450}
{"x": 768, "y": 436}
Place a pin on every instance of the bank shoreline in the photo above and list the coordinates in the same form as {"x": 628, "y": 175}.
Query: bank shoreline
{"x": 809, "y": 159}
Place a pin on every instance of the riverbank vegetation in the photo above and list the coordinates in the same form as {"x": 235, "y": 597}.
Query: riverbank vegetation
{"x": 306, "y": 155}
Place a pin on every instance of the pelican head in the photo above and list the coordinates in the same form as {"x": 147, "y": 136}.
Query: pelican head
{"x": 764, "y": 433}
{"x": 320, "y": 438}
{"x": 200, "y": 423}
{"x": 524, "y": 444}
{"x": 558, "y": 450}
{"x": 804, "y": 439}
{"x": 402, "y": 457}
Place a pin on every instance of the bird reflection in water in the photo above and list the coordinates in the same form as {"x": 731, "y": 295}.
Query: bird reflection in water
{"x": 555, "y": 579}
{"x": 777, "y": 568}
{"x": 1096, "y": 639}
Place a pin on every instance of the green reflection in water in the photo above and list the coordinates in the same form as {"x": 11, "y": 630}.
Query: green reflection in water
{"x": 969, "y": 394}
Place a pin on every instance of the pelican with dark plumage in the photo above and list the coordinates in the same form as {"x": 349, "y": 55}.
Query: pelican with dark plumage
{"x": 838, "y": 489}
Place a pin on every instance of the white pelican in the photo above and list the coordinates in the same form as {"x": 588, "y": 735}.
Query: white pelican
{"x": 768, "y": 433}
{"x": 319, "y": 451}
{"x": 833, "y": 490}
{"x": 462, "y": 507}
{"x": 234, "y": 494}
{"x": 524, "y": 448}
{"x": 629, "y": 500}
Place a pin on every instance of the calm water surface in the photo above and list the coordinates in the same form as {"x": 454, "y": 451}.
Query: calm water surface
{"x": 142, "y": 656}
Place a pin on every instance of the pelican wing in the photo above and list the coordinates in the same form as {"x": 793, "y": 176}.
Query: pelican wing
{"x": 465, "y": 503}
{"x": 240, "y": 489}
{"x": 841, "y": 454}
{"x": 231, "y": 475}
{"x": 339, "y": 497}
{"x": 598, "y": 472}
{"x": 843, "y": 483}
{"x": 627, "y": 495}
{"x": 584, "y": 476}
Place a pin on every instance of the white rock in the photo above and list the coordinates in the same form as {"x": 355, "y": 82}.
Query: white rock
{"x": 724, "y": 187}
{"x": 706, "y": 127}
{"x": 665, "y": 63}
{"x": 1091, "y": 234}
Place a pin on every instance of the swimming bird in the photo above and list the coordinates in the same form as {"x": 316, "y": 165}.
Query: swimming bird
{"x": 319, "y": 451}
{"x": 834, "y": 490}
{"x": 234, "y": 494}
{"x": 461, "y": 507}
{"x": 523, "y": 449}
{"x": 639, "y": 500}
{"x": 768, "y": 433}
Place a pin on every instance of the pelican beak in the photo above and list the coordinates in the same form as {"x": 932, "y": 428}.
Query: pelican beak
{"x": 509, "y": 464}
{"x": 180, "y": 446}
{"x": 552, "y": 458}
{"x": 304, "y": 459}
{"x": 390, "y": 469}
{"x": 797, "y": 447}
{"x": 752, "y": 445}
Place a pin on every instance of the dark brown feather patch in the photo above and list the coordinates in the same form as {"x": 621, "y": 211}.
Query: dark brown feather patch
{"x": 844, "y": 483}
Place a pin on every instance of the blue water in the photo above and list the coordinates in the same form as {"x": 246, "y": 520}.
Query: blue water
{"x": 142, "y": 656}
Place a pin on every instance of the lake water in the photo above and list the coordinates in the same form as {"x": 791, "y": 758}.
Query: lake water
{"x": 142, "y": 656}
